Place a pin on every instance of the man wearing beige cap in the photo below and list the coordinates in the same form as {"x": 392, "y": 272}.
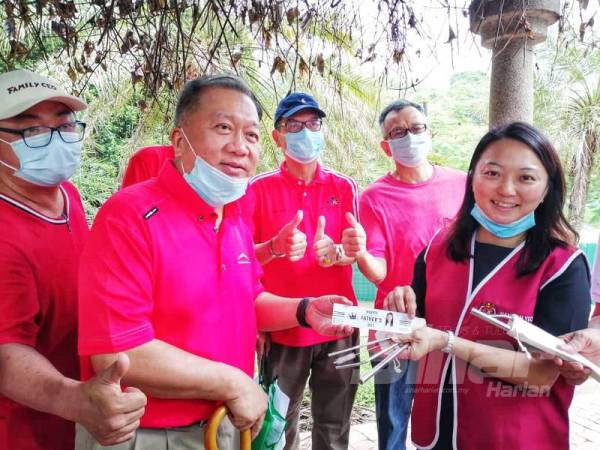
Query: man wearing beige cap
{"x": 43, "y": 229}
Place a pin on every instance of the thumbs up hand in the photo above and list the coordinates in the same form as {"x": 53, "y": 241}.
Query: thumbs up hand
{"x": 323, "y": 246}
{"x": 290, "y": 241}
{"x": 108, "y": 413}
{"x": 354, "y": 239}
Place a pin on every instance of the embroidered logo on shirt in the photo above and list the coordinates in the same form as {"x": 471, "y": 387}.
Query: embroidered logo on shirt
{"x": 488, "y": 308}
{"x": 151, "y": 213}
{"x": 243, "y": 259}
{"x": 333, "y": 201}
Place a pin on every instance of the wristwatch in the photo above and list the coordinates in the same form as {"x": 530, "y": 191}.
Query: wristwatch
{"x": 274, "y": 254}
{"x": 449, "y": 346}
{"x": 301, "y": 313}
{"x": 339, "y": 252}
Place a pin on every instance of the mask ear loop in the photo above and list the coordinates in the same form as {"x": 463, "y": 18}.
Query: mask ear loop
{"x": 397, "y": 365}
{"x": 9, "y": 166}
{"x": 191, "y": 150}
{"x": 5, "y": 164}
{"x": 522, "y": 347}
{"x": 519, "y": 343}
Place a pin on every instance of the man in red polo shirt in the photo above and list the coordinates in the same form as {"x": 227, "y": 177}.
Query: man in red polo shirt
{"x": 146, "y": 162}
{"x": 43, "y": 231}
{"x": 170, "y": 277}
{"x": 299, "y": 216}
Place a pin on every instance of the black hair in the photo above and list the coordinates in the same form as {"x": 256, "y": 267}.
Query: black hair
{"x": 399, "y": 105}
{"x": 551, "y": 227}
{"x": 187, "y": 101}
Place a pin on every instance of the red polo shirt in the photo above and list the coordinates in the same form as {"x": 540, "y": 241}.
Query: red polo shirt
{"x": 278, "y": 196}
{"x": 146, "y": 163}
{"x": 155, "y": 268}
{"x": 39, "y": 261}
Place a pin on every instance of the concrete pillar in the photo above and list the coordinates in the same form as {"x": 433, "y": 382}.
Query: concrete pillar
{"x": 511, "y": 28}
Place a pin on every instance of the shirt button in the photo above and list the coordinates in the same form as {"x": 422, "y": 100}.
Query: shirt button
{"x": 200, "y": 218}
{"x": 299, "y": 183}
{"x": 222, "y": 266}
{"x": 305, "y": 194}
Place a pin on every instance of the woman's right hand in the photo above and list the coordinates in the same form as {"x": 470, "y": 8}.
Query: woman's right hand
{"x": 421, "y": 341}
{"x": 401, "y": 299}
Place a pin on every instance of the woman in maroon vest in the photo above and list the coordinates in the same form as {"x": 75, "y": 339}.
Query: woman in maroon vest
{"x": 509, "y": 251}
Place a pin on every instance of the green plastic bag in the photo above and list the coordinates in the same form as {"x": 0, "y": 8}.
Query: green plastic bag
{"x": 272, "y": 436}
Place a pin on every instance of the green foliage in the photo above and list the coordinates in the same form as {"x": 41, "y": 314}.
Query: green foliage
{"x": 458, "y": 117}
{"x": 567, "y": 103}
{"x": 117, "y": 126}
{"x": 112, "y": 135}
{"x": 112, "y": 122}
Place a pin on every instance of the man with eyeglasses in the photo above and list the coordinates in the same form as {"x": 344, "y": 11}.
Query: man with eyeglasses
{"x": 299, "y": 215}
{"x": 43, "y": 232}
{"x": 400, "y": 213}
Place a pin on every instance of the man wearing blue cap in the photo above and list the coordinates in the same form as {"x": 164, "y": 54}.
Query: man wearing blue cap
{"x": 301, "y": 210}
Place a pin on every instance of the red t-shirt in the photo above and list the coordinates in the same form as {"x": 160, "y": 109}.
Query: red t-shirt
{"x": 155, "y": 268}
{"x": 401, "y": 218}
{"x": 146, "y": 163}
{"x": 278, "y": 196}
{"x": 39, "y": 261}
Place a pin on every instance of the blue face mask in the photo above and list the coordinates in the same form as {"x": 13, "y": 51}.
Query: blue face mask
{"x": 213, "y": 186}
{"x": 49, "y": 165}
{"x": 304, "y": 146}
{"x": 412, "y": 149}
{"x": 503, "y": 230}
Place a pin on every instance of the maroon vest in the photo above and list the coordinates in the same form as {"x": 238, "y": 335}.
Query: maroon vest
{"x": 488, "y": 413}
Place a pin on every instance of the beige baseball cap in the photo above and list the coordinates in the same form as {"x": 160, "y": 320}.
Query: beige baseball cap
{"x": 22, "y": 89}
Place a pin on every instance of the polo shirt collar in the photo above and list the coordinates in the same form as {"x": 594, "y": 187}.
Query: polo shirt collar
{"x": 173, "y": 182}
{"x": 319, "y": 178}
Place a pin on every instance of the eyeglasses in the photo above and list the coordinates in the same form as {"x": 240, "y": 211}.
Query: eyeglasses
{"x": 399, "y": 132}
{"x": 69, "y": 132}
{"x": 294, "y": 126}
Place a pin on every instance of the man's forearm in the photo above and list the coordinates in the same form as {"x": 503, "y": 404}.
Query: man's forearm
{"x": 28, "y": 378}
{"x": 275, "y": 313}
{"x": 263, "y": 252}
{"x": 164, "y": 371}
{"x": 372, "y": 267}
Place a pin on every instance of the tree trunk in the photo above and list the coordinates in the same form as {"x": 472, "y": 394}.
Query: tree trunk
{"x": 581, "y": 169}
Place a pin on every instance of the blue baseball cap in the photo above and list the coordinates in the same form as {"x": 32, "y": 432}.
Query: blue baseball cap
{"x": 294, "y": 102}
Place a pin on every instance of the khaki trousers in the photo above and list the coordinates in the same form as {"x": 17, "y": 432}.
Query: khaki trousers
{"x": 332, "y": 391}
{"x": 180, "y": 438}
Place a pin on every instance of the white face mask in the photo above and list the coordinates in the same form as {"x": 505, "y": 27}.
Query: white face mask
{"x": 412, "y": 149}
{"x": 213, "y": 186}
